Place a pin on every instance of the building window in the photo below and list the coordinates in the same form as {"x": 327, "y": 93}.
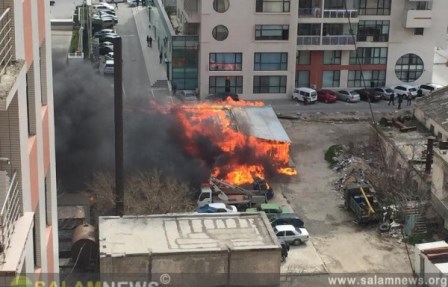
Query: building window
{"x": 273, "y": 6}
{"x": 226, "y": 84}
{"x": 185, "y": 62}
{"x": 368, "y": 56}
{"x": 377, "y": 7}
{"x": 308, "y": 29}
{"x": 220, "y": 33}
{"x": 331, "y": 78}
{"x": 302, "y": 79}
{"x": 269, "y": 84}
{"x": 31, "y": 101}
{"x": 221, "y": 6}
{"x": 375, "y": 78}
{"x": 373, "y": 31}
{"x": 419, "y": 31}
{"x": 271, "y": 62}
{"x": 303, "y": 57}
{"x": 409, "y": 68}
{"x": 332, "y": 57}
{"x": 225, "y": 62}
{"x": 271, "y": 32}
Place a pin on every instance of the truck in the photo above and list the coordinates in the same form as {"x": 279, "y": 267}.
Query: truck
{"x": 219, "y": 191}
{"x": 359, "y": 198}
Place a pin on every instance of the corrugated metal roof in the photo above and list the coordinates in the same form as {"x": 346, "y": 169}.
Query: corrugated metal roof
{"x": 260, "y": 122}
{"x": 435, "y": 105}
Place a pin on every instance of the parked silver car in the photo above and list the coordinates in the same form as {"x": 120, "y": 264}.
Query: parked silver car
{"x": 385, "y": 92}
{"x": 349, "y": 96}
{"x": 290, "y": 234}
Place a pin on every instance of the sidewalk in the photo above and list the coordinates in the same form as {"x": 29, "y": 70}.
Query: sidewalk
{"x": 160, "y": 87}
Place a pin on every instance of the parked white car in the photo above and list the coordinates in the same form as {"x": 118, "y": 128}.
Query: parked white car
{"x": 403, "y": 90}
{"x": 217, "y": 208}
{"x": 385, "y": 92}
{"x": 103, "y": 5}
{"x": 306, "y": 95}
{"x": 290, "y": 234}
{"x": 428, "y": 88}
{"x": 108, "y": 67}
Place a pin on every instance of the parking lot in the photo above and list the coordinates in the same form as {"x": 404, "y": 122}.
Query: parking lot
{"x": 338, "y": 245}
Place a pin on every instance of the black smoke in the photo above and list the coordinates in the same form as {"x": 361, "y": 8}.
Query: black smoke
{"x": 84, "y": 130}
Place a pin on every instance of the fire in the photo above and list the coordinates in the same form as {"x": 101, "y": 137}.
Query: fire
{"x": 208, "y": 133}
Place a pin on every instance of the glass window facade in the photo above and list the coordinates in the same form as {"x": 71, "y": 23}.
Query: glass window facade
{"x": 302, "y": 79}
{"x": 271, "y": 32}
{"x": 409, "y": 68}
{"x": 331, "y": 78}
{"x": 303, "y": 57}
{"x": 220, "y": 33}
{"x": 225, "y": 62}
{"x": 368, "y": 78}
{"x": 373, "y": 31}
{"x": 185, "y": 62}
{"x": 271, "y": 61}
{"x": 269, "y": 84}
{"x": 368, "y": 56}
{"x": 332, "y": 57}
{"x": 374, "y": 7}
{"x": 225, "y": 84}
{"x": 273, "y": 6}
{"x": 221, "y": 6}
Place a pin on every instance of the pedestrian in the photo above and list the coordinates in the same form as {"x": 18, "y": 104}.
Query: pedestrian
{"x": 419, "y": 93}
{"x": 400, "y": 100}
{"x": 116, "y": 4}
{"x": 150, "y": 41}
{"x": 137, "y": 2}
{"x": 147, "y": 40}
{"x": 409, "y": 99}
{"x": 160, "y": 57}
{"x": 391, "y": 99}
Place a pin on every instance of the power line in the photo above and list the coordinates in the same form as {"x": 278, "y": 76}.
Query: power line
{"x": 357, "y": 58}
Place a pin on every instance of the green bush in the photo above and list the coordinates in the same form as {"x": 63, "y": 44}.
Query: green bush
{"x": 332, "y": 152}
{"x": 74, "y": 41}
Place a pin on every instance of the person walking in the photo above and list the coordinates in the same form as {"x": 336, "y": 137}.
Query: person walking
{"x": 391, "y": 99}
{"x": 160, "y": 57}
{"x": 147, "y": 40}
{"x": 400, "y": 100}
{"x": 150, "y": 42}
{"x": 116, "y": 4}
{"x": 409, "y": 99}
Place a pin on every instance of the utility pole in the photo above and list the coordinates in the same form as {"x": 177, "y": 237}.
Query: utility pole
{"x": 118, "y": 117}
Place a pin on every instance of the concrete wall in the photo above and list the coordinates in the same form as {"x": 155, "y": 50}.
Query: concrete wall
{"x": 427, "y": 121}
{"x": 208, "y": 269}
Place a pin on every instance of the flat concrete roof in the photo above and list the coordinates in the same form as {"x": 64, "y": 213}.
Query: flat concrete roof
{"x": 435, "y": 106}
{"x": 430, "y": 245}
{"x": 184, "y": 232}
{"x": 260, "y": 122}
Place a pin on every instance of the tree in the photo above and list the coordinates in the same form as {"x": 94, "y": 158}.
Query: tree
{"x": 145, "y": 193}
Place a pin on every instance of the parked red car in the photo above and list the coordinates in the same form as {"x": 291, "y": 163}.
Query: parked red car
{"x": 326, "y": 96}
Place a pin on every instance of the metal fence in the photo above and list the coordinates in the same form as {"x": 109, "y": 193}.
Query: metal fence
{"x": 325, "y": 40}
{"x": 6, "y": 44}
{"x": 10, "y": 212}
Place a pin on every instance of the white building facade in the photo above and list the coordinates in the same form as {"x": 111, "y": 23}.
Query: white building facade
{"x": 263, "y": 49}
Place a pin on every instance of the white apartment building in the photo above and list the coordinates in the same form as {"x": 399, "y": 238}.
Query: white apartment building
{"x": 263, "y": 49}
{"x": 28, "y": 222}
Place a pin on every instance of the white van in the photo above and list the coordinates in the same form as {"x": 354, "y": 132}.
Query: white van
{"x": 305, "y": 95}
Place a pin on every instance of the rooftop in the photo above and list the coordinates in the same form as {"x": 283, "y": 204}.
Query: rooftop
{"x": 260, "y": 122}
{"x": 435, "y": 105}
{"x": 187, "y": 232}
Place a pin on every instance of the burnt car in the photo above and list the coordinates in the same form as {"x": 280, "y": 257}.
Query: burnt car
{"x": 369, "y": 95}
{"x": 219, "y": 97}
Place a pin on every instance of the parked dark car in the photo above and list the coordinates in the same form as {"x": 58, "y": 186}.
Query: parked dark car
{"x": 326, "y": 96}
{"x": 369, "y": 95}
{"x": 287, "y": 219}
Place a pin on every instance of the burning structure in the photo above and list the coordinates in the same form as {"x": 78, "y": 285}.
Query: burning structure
{"x": 237, "y": 140}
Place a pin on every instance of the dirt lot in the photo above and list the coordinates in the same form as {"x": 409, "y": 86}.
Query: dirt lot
{"x": 341, "y": 244}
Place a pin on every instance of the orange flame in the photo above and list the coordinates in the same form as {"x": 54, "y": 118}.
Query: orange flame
{"x": 245, "y": 156}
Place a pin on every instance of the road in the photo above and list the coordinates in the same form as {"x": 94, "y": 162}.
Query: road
{"x": 288, "y": 106}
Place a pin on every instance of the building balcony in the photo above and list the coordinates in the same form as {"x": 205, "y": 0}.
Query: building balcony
{"x": 418, "y": 19}
{"x": 334, "y": 42}
{"x": 15, "y": 227}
